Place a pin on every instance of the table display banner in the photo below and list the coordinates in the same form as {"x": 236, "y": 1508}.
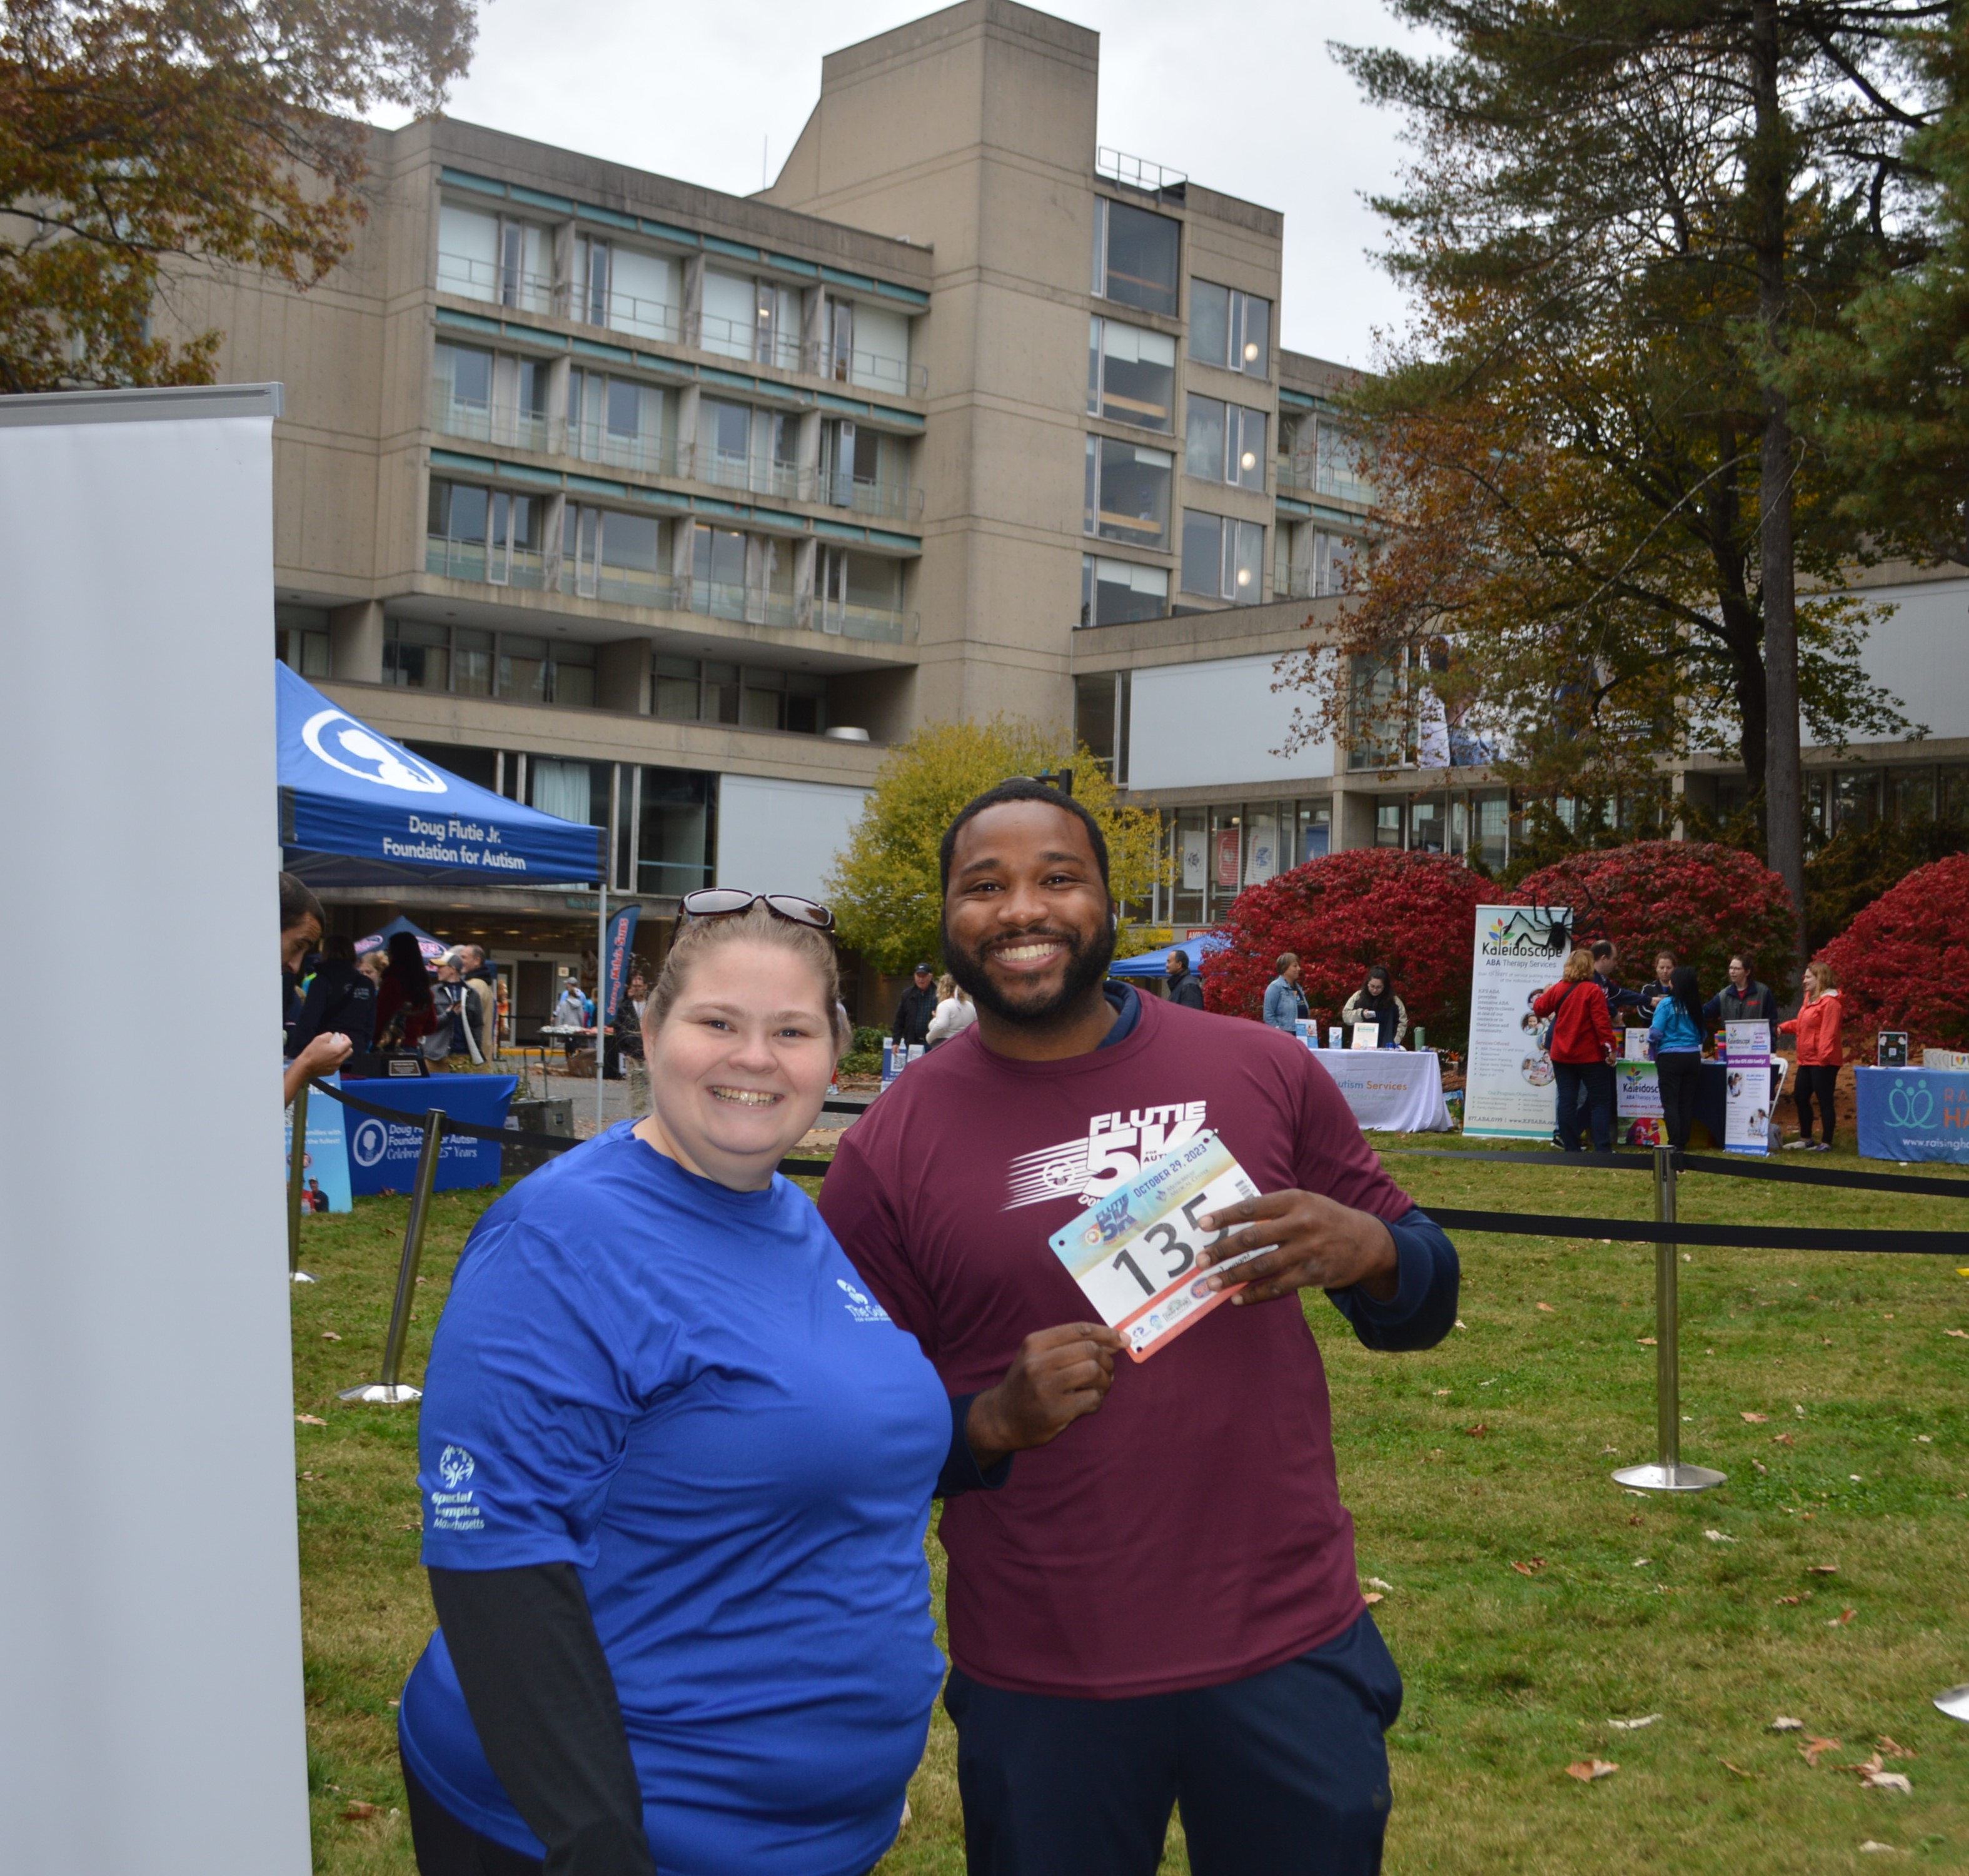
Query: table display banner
{"x": 1747, "y": 1097}
{"x": 324, "y": 1155}
{"x": 1518, "y": 951}
{"x": 1913, "y": 1113}
{"x": 383, "y": 1154}
{"x": 1637, "y": 1104}
{"x": 1396, "y": 1091}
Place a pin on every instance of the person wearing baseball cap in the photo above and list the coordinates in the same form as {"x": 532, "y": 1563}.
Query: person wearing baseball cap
{"x": 917, "y": 1007}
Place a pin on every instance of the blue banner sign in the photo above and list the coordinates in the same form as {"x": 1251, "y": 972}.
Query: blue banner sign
{"x": 383, "y": 1154}
{"x": 1913, "y": 1113}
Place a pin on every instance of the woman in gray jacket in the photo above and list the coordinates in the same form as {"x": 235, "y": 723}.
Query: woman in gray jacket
{"x": 1285, "y": 1002}
{"x": 1376, "y": 1002}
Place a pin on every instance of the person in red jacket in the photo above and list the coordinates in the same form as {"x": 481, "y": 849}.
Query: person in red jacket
{"x": 1817, "y": 1026}
{"x": 1582, "y": 1052}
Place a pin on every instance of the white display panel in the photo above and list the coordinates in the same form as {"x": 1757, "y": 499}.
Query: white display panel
{"x": 150, "y": 1609}
{"x": 1920, "y": 653}
{"x": 1203, "y": 725}
{"x": 782, "y": 836}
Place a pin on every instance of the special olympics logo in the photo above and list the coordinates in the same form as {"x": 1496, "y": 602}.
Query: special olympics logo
{"x": 372, "y": 1141}
{"x": 860, "y": 1299}
{"x": 1911, "y": 1107}
{"x": 454, "y": 1465}
{"x": 345, "y": 743}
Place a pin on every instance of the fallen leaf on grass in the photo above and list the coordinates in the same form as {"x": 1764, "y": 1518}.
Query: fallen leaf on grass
{"x": 1530, "y": 1567}
{"x": 1756, "y": 1419}
{"x": 1822, "y": 1569}
{"x": 1549, "y": 1309}
{"x": 1719, "y": 1536}
{"x": 328, "y": 1335}
{"x": 1872, "y": 1779}
{"x": 1842, "y": 1618}
{"x": 310, "y": 1420}
{"x": 1440, "y": 1392}
{"x": 1477, "y": 1432}
{"x": 1870, "y": 1845}
{"x": 1646, "y": 1342}
{"x": 358, "y": 1811}
{"x": 1782, "y": 1439}
{"x": 1762, "y": 1470}
{"x": 1372, "y": 1596}
{"x": 1737, "y": 1769}
{"x": 1633, "y": 1725}
{"x": 1784, "y": 1723}
{"x": 1375, "y": 1583}
{"x": 1810, "y": 1750}
{"x": 1960, "y": 1334}
{"x": 1894, "y": 1751}
{"x": 1792, "y": 1601}
{"x": 1459, "y": 1322}
{"x": 1586, "y": 1770}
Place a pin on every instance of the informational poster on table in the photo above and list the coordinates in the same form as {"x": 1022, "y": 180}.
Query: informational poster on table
{"x": 1518, "y": 951}
{"x": 324, "y": 1154}
{"x": 1746, "y": 1097}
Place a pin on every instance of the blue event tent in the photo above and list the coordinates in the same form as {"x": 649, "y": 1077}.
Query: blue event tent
{"x": 1155, "y": 963}
{"x": 358, "y": 809}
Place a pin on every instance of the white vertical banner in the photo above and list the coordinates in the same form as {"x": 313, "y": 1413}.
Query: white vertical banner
{"x": 1746, "y": 1103}
{"x": 150, "y": 1604}
{"x": 1518, "y": 951}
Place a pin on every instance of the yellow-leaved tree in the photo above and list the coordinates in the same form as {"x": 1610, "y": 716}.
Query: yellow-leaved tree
{"x": 884, "y": 888}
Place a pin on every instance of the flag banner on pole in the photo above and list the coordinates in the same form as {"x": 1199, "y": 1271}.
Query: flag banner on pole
{"x": 622, "y": 936}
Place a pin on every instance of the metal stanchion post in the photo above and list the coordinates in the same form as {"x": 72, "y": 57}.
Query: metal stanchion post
{"x": 1667, "y": 1473}
{"x": 388, "y": 1392}
{"x": 296, "y": 1181}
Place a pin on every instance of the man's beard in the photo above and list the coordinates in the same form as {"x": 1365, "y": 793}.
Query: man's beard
{"x": 1087, "y": 962}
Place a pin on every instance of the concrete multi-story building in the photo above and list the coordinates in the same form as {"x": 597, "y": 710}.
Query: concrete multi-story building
{"x": 668, "y": 509}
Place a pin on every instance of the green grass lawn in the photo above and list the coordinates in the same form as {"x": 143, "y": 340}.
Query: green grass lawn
{"x": 1630, "y": 1609}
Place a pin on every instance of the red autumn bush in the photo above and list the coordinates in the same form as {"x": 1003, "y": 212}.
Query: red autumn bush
{"x": 1699, "y": 900}
{"x": 1903, "y": 963}
{"x": 1413, "y": 912}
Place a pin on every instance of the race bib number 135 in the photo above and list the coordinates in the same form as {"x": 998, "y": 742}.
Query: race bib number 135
{"x": 1134, "y": 1252}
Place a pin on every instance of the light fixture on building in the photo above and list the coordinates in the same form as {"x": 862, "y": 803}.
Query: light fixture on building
{"x": 1248, "y": 460}
{"x": 1250, "y": 350}
{"x": 1243, "y": 577}
{"x": 845, "y": 733}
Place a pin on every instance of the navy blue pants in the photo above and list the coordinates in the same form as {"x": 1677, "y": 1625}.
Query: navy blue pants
{"x": 1283, "y": 1774}
{"x": 1591, "y": 1085}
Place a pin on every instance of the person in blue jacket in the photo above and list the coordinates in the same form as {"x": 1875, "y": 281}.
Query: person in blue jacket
{"x": 1674, "y": 1041}
{"x": 1285, "y": 1002}
{"x": 676, "y": 1464}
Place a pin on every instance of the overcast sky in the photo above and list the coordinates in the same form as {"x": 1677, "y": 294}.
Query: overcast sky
{"x": 1246, "y": 102}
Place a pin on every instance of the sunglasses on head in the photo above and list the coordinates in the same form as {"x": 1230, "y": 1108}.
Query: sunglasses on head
{"x": 728, "y": 901}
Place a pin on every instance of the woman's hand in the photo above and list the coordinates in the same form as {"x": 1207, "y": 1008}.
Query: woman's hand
{"x": 1057, "y": 1375}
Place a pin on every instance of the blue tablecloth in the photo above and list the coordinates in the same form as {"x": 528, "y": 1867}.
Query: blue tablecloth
{"x": 383, "y": 1156}
{"x": 1913, "y": 1113}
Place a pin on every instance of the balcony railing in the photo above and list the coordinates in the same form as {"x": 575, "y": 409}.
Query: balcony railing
{"x": 721, "y": 599}
{"x": 500, "y": 285}
{"x": 1311, "y": 476}
{"x": 487, "y": 281}
{"x": 880, "y": 625}
{"x": 1133, "y": 172}
{"x": 594, "y": 442}
{"x": 728, "y": 470}
{"x": 523, "y": 567}
{"x": 489, "y": 422}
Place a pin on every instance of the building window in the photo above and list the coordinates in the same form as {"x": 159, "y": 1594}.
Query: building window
{"x": 642, "y": 293}
{"x": 617, "y": 420}
{"x": 1224, "y": 442}
{"x": 675, "y": 815}
{"x": 1388, "y": 821}
{"x": 1101, "y": 720}
{"x": 857, "y": 593}
{"x": 518, "y": 667}
{"x": 754, "y": 696}
{"x": 490, "y": 396}
{"x": 1230, "y": 328}
{"x": 1114, "y": 592}
{"x": 484, "y": 534}
{"x": 1130, "y": 374}
{"x": 493, "y": 258}
{"x": 861, "y": 469}
{"x": 1127, "y": 492}
{"x": 301, "y": 639}
{"x": 1134, "y": 257}
{"x": 1222, "y": 558}
{"x": 608, "y": 554}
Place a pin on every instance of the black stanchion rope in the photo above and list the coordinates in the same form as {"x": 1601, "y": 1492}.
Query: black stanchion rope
{"x": 1717, "y": 1237}
{"x": 1718, "y": 1169}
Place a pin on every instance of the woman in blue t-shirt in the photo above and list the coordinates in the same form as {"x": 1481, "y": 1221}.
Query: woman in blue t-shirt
{"x": 677, "y": 1463}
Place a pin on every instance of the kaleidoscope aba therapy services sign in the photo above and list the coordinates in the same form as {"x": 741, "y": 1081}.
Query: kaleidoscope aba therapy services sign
{"x": 1913, "y": 1113}
{"x": 1518, "y": 951}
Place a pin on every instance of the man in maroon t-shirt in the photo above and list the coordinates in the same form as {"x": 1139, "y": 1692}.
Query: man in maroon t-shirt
{"x": 1162, "y": 1609}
